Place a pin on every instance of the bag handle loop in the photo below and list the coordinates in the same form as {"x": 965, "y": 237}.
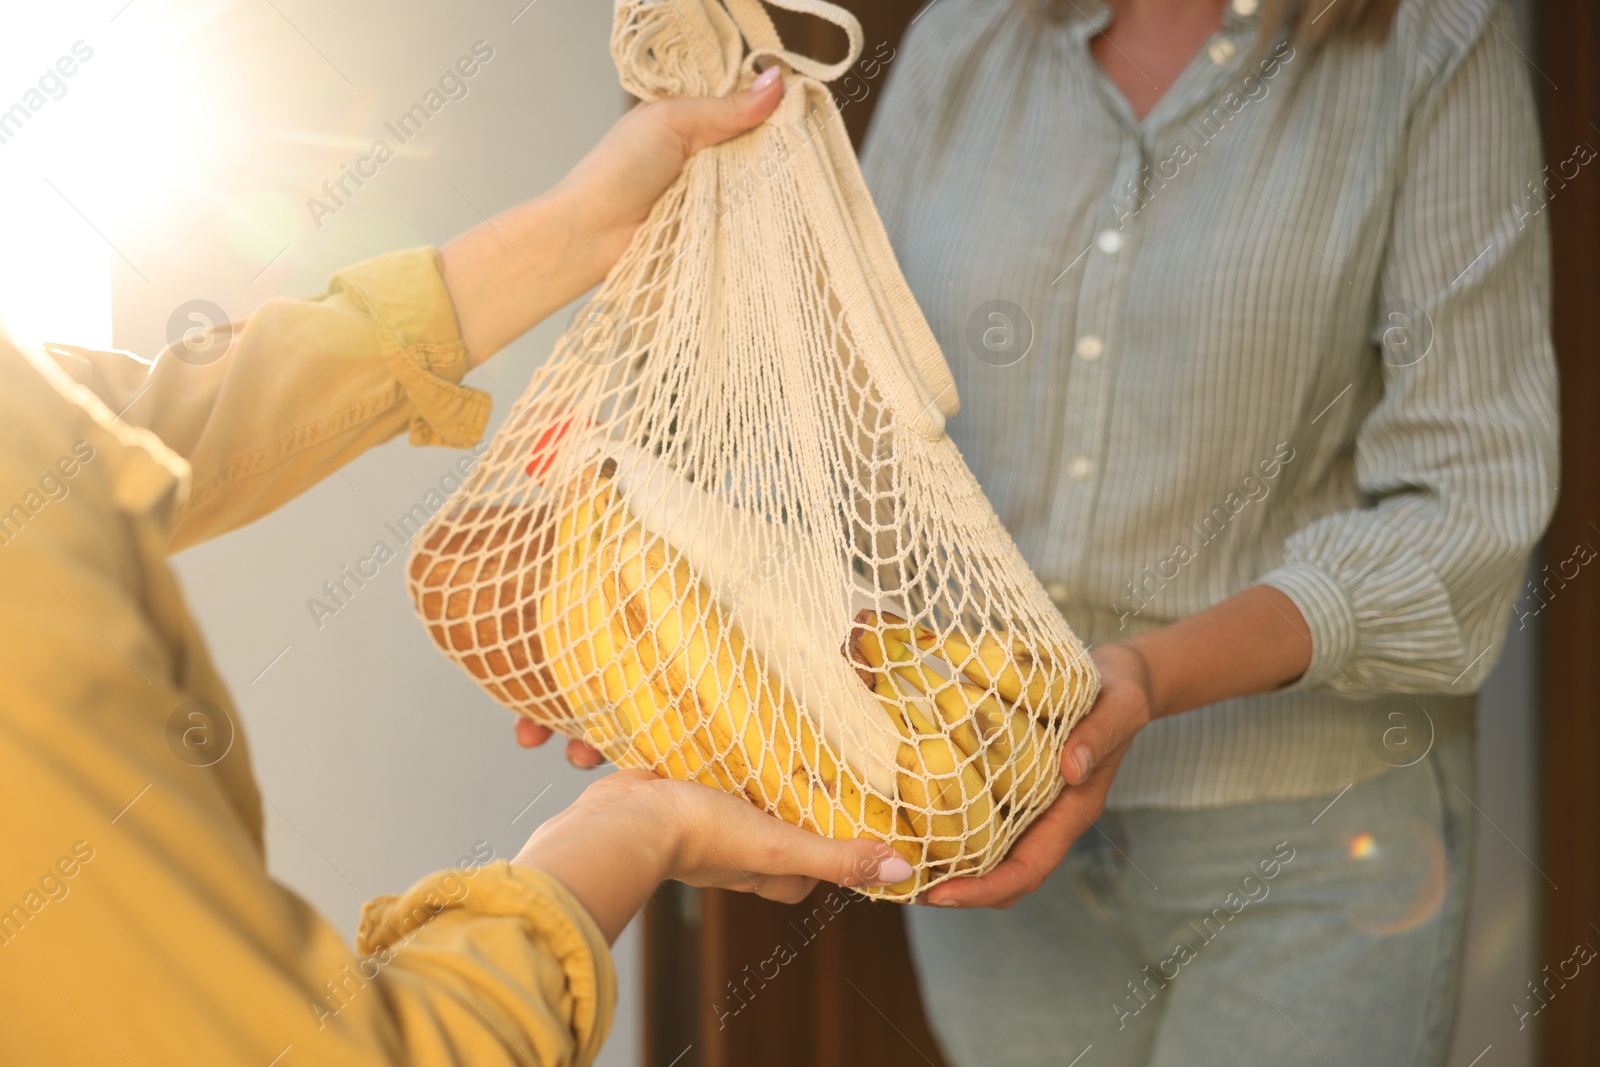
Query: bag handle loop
{"x": 756, "y": 25}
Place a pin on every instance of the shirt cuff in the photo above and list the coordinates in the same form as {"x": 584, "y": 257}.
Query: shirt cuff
{"x": 411, "y": 311}
{"x": 553, "y": 924}
{"x": 1328, "y": 614}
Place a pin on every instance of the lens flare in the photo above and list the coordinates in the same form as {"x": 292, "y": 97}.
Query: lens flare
{"x": 1401, "y": 879}
{"x": 114, "y": 125}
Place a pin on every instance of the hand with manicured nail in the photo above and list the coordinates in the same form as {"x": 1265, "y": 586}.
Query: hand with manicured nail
{"x": 630, "y": 831}
{"x": 1094, "y": 750}
{"x": 507, "y": 274}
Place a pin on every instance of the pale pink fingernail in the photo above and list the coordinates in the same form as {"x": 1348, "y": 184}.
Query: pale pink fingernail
{"x": 892, "y": 870}
{"x": 766, "y": 78}
{"x": 1083, "y": 761}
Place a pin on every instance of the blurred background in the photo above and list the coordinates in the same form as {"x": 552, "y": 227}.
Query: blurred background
{"x": 179, "y": 163}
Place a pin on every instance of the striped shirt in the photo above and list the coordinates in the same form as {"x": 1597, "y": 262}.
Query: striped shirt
{"x": 1291, "y": 328}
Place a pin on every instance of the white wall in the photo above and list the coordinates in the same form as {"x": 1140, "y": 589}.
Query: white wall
{"x": 380, "y": 759}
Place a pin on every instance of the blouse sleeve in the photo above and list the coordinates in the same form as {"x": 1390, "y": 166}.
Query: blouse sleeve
{"x": 1459, "y": 457}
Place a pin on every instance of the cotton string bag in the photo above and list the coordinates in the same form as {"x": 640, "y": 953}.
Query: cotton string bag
{"x": 723, "y": 536}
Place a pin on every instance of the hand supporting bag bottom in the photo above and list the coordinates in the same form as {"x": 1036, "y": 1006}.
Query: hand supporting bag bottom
{"x": 723, "y": 536}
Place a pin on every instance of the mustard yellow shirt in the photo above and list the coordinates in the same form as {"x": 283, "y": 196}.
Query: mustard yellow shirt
{"x": 138, "y": 923}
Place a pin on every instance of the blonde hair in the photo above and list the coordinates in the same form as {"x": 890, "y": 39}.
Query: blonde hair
{"x": 1312, "y": 22}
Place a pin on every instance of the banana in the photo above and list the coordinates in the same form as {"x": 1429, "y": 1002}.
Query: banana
{"x": 818, "y": 813}
{"x": 1016, "y": 674}
{"x": 659, "y": 738}
{"x": 1016, "y": 748}
{"x": 668, "y": 683}
{"x": 843, "y": 810}
{"x": 670, "y": 613}
{"x": 951, "y": 795}
{"x": 1013, "y": 743}
{"x": 676, "y": 746}
{"x": 944, "y": 794}
{"x": 948, "y": 697}
{"x": 574, "y": 669}
{"x": 590, "y": 657}
{"x": 941, "y": 759}
{"x": 710, "y": 664}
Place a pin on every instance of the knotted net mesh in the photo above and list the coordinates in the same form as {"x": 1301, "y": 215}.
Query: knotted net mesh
{"x": 722, "y": 536}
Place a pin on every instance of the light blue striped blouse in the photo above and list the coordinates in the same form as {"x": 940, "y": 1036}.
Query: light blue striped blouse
{"x": 1291, "y": 328}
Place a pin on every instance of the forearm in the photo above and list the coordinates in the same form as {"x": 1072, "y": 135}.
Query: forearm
{"x": 507, "y": 274}
{"x": 606, "y": 851}
{"x": 1253, "y": 642}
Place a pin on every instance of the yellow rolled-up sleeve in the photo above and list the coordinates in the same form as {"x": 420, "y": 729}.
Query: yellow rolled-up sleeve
{"x": 299, "y": 389}
{"x": 445, "y": 937}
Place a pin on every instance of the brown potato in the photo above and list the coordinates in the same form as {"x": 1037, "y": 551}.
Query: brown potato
{"x": 476, "y": 585}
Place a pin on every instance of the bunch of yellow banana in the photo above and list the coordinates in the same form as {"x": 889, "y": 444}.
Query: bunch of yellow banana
{"x": 971, "y": 739}
{"x": 661, "y": 681}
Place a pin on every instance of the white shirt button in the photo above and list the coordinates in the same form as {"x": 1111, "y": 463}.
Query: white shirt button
{"x": 1078, "y": 470}
{"x": 1222, "y": 51}
{"x": 1245, "y": 8}
{"x": 1057, "y": 591}
{"x": 1108, "y": 241}
{"x": 1090, "y": 348}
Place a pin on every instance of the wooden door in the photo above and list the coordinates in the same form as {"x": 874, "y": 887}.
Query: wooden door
{"x": 1570, "y": 65}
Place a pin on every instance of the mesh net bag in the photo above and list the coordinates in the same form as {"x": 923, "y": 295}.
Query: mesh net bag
{"x": 722, "y": 536}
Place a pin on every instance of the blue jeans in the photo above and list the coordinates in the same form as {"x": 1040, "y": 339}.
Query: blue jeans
{"x": 1282, "y": 932}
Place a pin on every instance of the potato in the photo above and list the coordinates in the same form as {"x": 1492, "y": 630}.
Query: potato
{"x": 476, "y": 584}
